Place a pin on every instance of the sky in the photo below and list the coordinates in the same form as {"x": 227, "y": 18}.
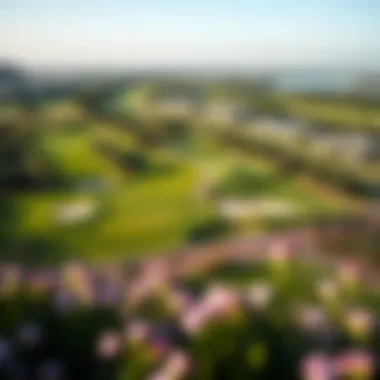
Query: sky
{"x": 241, "y": 34}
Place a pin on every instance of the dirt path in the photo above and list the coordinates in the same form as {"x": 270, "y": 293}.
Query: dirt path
{"x": 300, "y": 244}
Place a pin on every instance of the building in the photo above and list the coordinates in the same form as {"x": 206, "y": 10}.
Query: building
{"x": 225, "y": 113}
{"x": 351, "y": 146}
{"x": 175, "y": 107}
{"x": 286, "y": 130}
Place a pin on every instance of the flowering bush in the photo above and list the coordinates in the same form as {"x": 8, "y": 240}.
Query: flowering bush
{"x": 278, "y": 318}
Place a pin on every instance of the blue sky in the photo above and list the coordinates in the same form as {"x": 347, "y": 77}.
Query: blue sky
{"x": 168, "y": 33}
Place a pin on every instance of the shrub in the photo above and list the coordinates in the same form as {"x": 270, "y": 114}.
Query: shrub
{"x": 210, "y": 229}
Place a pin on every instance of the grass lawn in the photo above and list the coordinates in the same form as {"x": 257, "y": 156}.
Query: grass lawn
{"x": 141, "y": 215}
{"x": 310, "y": 194}
{"x": 329, "y": 112}
{"x": 135, "y": 213}
{"x": 62, "y": 111}
{"x": 136, "y": 99}
{"x": 73, "y": 156}
{"x": 12, "y": 113}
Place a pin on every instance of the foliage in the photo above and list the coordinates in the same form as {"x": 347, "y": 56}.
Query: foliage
{"x": 211, "y": 228}
{"x": 243, "y": 181}
{"x": 287, "y": 318}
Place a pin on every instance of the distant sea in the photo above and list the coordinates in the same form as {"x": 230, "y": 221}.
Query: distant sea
{"x": 315, "y": 82}
{"x": 303, "y": 80}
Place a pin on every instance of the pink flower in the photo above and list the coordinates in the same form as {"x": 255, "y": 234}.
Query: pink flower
{"x": 176, "y": 367}
{"x": 317, "y": 366}
{"x": 42, "y": 281}
{"x": 136, "y": 293}
{"x": 177, "y": 364}
{"x": 137, "y": 331}
{"x": 327, "y": 290}
{"x": 155, "y": 272}
{"x": 359, "y": 321}
{"x": 195, "y": 319}
{"x": 349, "y": 273}
{"x": 355, "y": 363}
{"x": 154, "y": 276}
{"x": 259, "y": 295}
{"x": 279, "y": 253}
{"x": 221, "y": 300}
{"x": 108, "y": 345}
{"x": 311, "y": 318}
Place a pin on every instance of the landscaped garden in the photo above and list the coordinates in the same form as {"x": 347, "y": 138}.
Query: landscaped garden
{"x": 115, "y": 197}
{"x": 142, "y": 248}
{"x": 277, "y": 315}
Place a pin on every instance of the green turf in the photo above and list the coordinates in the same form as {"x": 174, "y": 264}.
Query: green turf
{"x": 141, "y": 215}
{"x": 339, "y": 114}
{"x": 72, "y": 154}
{"x": 136, "y": 213}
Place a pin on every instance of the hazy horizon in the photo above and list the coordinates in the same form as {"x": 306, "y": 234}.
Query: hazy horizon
{"x": 166, "y": 35}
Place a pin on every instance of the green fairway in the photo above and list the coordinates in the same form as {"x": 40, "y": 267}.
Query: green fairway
{"x": 134, "y": 213}
{"x": 140, "y": 215}
{"x": 72, "y": 154}
{"x": 108, "y": 208}
{"x": 341, "y": 114}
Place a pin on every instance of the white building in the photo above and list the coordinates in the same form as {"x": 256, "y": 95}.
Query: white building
{"x": 175, "y": 107}
{"x": 280, "y": 130}
{"x": 225, "y": 113}
{"x": 347, "y": 146}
